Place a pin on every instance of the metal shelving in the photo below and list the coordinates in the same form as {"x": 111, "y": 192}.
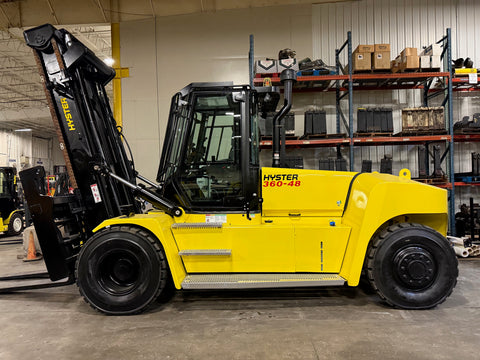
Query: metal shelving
{"x": 345, "y": 84}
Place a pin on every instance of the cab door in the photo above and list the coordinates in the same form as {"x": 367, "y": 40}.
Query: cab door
{"x": 217, "y": 184}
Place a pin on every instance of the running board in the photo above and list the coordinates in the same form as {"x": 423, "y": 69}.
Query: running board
{"x": 201, "y": 252}
{"x": 258, "y": 281}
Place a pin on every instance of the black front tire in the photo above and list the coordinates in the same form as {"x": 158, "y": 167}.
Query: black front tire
{"x": 412, "y": 266}
{"x": 15, "y": 226}
{"x": 121, "y": 270}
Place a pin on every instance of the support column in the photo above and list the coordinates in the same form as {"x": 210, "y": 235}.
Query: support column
{"x": 117, "y": 81}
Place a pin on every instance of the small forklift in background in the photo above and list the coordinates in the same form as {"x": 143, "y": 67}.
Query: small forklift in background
{"x": 11, "y": 211}
{"x": 220, "y": 219}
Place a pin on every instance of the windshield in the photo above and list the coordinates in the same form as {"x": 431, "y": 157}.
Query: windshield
{"x": 4, "y": 188}
{"x": 210, "y": 172}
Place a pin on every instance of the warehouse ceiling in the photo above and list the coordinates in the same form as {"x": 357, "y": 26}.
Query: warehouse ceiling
{"x": 22, "y": 100}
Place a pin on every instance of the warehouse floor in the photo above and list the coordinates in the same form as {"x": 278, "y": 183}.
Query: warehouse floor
{"x": 303, "y": 324}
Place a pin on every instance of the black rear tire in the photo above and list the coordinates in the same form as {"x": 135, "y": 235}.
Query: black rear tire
{"x": 121, "y": 270}
{"x": 15, "y": 226}
{"x": 412, "y": 266}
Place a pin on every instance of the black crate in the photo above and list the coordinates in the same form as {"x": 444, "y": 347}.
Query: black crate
{"x": 289, "y": 122}
{"x": 366, "y": 166}
{"x": 475, "y": 164}
{"x": 315, "y": 122}
{"x": 340, "y": 164}
{"x": 377, "y": 120}
{"x": 266, "y": 125}
{"x": 326, "y": 164}
{"x": 389, "y": 116}
{"x": 294, "y": 162}
{"x": 422, "y": 162}
{"x": 370, "y": 122}
{"x": 362, "y": 120}
{"x": 386, "y": 165}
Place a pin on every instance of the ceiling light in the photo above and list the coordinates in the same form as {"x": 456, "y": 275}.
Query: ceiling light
{"x": 109, "y": 61}
{"x": 23, "y": 130}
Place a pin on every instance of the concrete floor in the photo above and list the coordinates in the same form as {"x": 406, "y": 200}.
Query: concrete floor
{"x": 314, "y": 324}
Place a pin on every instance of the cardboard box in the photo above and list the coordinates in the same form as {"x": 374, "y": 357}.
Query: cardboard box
{"x": 424, "y": 62}
{"x": 381, "y": 60}
{"x": 434, "y": 49}
{"x": 266, "y": 67}
{"x": 362, "y": 61}
{"x": 435, "y": 62}
{"x": 410, "y": 62}
{"x": 409, "y": 52}
{"x": 364, "y": 49}
{"x": 381, "y": 47}
{"x": 287, "y": 64}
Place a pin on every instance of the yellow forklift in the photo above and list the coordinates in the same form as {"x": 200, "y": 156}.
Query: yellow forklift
{"x": 220, "y": 220}
{"x": 11, "y": 212}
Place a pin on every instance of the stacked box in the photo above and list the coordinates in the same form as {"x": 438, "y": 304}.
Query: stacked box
{"x": 362, "y": 57}
{"x": 407, "y": 60}
{"x": 410, "y": 59}
{"x": 435, "y": 62}
{"x": 266, "y": 67}
{"x": 315, "y": 122}
{"x": 381, "y": 57}
{"x": 425, "y": 62}
{"x": 434, "y": 49}
{"x": 431, "y": 55}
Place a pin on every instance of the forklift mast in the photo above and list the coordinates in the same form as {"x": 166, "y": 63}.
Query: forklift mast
{"x": 103, "y": 178}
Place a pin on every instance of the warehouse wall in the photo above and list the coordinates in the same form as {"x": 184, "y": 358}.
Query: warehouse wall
{"x": 196, "y": 48}
{"x": 22, "y": 150}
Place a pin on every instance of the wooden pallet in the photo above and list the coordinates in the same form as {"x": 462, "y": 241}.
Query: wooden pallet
{"x": 422, "y": 132}
{"x": 466, "y": 131}
{"x": 433, "y": 181}
{"x": 372, "y": 134}
{"x": 322, "y": 136}
{"x": 287, "y": 137}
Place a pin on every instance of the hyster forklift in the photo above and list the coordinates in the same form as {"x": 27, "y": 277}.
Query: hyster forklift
{"x": 11, "y": 213}
{"x": 220, "y": 221}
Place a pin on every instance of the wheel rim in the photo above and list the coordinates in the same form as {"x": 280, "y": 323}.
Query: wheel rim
{"x": 119, "y": 272}
{"x": 415, "y": 267}
{"x": 17, "y": 224}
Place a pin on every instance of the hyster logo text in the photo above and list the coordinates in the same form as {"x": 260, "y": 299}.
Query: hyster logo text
{"x": 280, "y": 177}
{"x": 68, "y": 115}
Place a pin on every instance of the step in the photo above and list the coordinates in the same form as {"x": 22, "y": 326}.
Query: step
{"x": 257, "y": 281}
{"x": 202, "y": 252}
